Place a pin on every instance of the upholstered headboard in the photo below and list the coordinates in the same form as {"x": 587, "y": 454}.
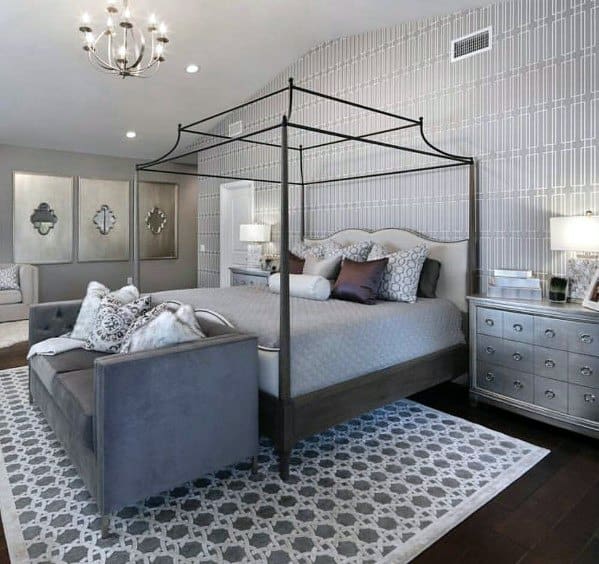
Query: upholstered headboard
{"x": 453, "y": 255}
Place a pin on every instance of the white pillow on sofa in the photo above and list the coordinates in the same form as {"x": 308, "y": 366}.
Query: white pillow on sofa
{"x": 303, "y": 286}
{"x": 165, "y": 325}
{"x": 91, "y": 304}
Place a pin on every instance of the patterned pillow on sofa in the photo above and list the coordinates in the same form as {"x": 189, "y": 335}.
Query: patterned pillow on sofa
{"x": 9, "y": 277}
{"x": 113, "y": 321}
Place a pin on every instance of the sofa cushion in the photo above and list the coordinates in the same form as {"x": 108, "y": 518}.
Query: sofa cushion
{"x": 8, "y": 297}
{"x": 73, "y": 392}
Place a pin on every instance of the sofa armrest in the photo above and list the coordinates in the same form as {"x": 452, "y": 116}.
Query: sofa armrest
{"x": 29, "y": 283}
{"x": 167, "y": 416}
{"x": 52, "y": 319}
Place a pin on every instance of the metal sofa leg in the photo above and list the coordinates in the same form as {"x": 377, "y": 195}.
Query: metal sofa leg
{"x": 255, "y": 465}
{"x": 105, "y": 526}
{"x": 284, "y": 465}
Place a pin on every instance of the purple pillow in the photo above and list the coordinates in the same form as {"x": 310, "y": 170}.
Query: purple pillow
{"x": 359, "y": 281}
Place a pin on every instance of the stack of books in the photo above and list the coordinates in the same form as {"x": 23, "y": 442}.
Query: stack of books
{"x": 515, "y": 284}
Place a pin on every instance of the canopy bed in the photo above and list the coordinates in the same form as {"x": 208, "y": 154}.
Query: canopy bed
{"x": 294, "y": 402}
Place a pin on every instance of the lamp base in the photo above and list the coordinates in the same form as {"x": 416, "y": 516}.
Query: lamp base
{"x": 254, "y": 255}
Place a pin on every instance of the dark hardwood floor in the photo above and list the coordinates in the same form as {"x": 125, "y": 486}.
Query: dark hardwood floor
{"x": 550, "y": 515}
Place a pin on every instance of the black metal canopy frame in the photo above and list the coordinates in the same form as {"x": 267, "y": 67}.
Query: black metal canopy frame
{"x": 446, "y": 161}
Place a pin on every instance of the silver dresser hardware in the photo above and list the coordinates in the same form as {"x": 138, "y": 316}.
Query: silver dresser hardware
{"x": 538, "y": 359}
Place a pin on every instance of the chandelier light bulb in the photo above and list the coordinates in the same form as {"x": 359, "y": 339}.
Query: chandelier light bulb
{"x": 85, "y": 19}
{"x": 89, "y": 39}
{"x": 153, "y": 20}
{"x": 162, "y": 29}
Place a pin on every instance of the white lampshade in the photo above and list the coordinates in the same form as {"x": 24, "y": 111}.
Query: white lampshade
{"x": 254, "y": 233}
{"x": 575, "y": 233}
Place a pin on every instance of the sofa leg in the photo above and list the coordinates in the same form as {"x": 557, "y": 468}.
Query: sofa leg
{"x": 284, "y": 465}
{"x": 255, "y": 465}
{"x": 104, "y": 526}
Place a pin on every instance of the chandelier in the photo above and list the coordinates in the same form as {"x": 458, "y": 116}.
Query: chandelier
{"x": 123, "y": 48}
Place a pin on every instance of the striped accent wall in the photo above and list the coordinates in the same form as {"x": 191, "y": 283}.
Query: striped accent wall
{"x": 528, "y": 110}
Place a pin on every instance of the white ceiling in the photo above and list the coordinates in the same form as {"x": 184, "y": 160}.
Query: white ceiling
{"x": 51, "y": 97}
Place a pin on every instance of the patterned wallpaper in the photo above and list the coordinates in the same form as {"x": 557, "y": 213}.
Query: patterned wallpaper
{"x": 528, "y": 110}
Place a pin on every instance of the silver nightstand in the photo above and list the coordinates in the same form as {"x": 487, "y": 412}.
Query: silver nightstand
{"x": 244, "y": 276}
{"x": 538, "y": 359}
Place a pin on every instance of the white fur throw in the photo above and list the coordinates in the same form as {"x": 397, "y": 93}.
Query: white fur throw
{"x": 303, "y": 286}
{"x": 91, "y": 304}
{"x": 165, "y": 325}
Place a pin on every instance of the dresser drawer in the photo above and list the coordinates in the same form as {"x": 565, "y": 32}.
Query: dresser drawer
{"x": 583, "y": 337}
{"x": 489, "y": 321}
{"x": 519, "y": 385}
{"x": 551, "y": 394}
{"x": 583, "y": 370}
{"x": 518, "y": 356}
{"x": 518, "y": 327}
{"x": 489, "y": 349}
{"x": 583, "y": 402}
{"x": 551, "y": 363}
{"x": 552, "y": 333}
{"x": 247, "y": 280}
{"x": 489, "y": 377}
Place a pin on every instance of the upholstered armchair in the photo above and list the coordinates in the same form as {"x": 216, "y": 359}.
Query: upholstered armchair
{"x": 14, "y": 304}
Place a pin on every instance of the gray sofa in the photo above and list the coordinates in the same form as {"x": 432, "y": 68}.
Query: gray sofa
{"x": 139, "y": 424}
{"x": 14, "y": 304}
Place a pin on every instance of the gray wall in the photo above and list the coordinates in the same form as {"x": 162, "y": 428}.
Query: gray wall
{"x": 528, "y": 110}
{"x": 67, "y": 281}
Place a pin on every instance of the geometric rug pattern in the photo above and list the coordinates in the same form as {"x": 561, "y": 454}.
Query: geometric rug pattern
{"x": 381, "y": 487}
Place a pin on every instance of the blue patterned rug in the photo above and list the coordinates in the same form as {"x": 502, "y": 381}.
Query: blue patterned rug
{"x": 380, "y": 488}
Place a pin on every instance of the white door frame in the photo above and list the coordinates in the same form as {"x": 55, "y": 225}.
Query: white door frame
{"x": 226, "y": 192}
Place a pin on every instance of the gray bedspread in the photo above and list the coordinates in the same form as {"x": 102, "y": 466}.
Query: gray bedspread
{"x": 333, "y": 341}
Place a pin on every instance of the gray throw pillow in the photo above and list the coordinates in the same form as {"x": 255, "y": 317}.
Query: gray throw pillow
{"x": 358, "y": 252}
{"x": 113, "y": 321}
{"x": 91, "y": 304}
{"x": 165, "y": 325}
{"x": 429, "y": 277}
{"x": 327, "y": 268}
{"x": 9, "y": 277}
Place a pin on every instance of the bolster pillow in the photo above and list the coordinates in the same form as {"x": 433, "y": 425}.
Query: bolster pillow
{"x": 303, "y": 286}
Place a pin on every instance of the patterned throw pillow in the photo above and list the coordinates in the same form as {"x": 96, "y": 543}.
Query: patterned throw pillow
{"x": 303, "y": 250}
{"x": 165, "y": 325}
{"x": 113, "y": 321}
{"x": 358, "y": 252}
{"x": 9, "y": 277}
{"x": 400, "y": 281}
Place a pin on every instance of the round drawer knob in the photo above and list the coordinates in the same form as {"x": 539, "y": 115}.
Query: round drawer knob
{"x": 586, "y": 371}
{"x": 586, "y": 339}
{"x": 549, "y": 333}
{"x": 490, "y": 350}
{"x": 549, "y": 363}
{"x": 590, "y": 398}
{"x": 518, "y": 385}
{"x": 489, "y": 322}
{"x": 517, "y": 327}
{"x": 549, "y": 394}
{"x": 517, "y": 356}
{"x": 490, "y": 377}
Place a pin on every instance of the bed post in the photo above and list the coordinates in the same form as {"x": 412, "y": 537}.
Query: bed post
{"x": 135, "y": 223}
{"x": 302, "y": 195}
{"x": 284, "y": 320}
{"x": 473, "y": 245}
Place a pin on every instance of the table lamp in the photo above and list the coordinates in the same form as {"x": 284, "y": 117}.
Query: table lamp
{"x": 254, "y": 234}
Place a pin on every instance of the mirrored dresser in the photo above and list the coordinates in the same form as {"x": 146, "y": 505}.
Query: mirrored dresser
{"x": 538, "y": 359}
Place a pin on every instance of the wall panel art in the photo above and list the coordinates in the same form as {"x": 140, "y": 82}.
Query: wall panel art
{"x": 103, "y": 220}
{"x": 42, "y": 218}
{"x": 158, "y": 203}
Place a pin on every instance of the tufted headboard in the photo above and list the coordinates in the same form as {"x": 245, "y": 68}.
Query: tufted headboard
{"x": 453, "y": 255}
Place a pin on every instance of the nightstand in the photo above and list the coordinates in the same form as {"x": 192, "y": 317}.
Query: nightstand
{"x": 244, "y": 276}
{"x": 538, "y": 359}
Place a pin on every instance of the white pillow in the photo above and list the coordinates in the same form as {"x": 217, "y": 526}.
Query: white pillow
{"x": 165, "y": 325}
{"x": 327, "y": 268}
{"x": 303, "y": 286}
{"x": 91, "y": 304}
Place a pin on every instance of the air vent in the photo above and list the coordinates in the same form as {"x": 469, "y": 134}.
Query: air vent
{"x": 472, "y": 44}
{"x": 235, "y": 129}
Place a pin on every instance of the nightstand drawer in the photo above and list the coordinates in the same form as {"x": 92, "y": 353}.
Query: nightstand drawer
{"x": 489, "y": 377}
{"x": 489, "y": 349}
{"x": 247, "y": 280}
{"x": 551, "y": 394}
{"x": 583, "y": 337}
{"x": 518, "y": 327}
{"x": 489, "y": 321}
{"x": 506, "y": 353}
{"x": 551, "y": 363}
{"x": 583, "y": 402}
{"x": 552, "y": 333}
{"x": 519, "y": 385}
{"x": 583, "y": 370}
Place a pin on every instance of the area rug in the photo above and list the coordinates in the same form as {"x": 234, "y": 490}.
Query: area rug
{"x": 13, "y": 332}
{"x": 381, "y": 488}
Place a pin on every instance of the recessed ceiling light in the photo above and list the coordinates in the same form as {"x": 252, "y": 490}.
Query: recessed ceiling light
{"x": 131, "y": 134}
{"x": 191, "y": 69}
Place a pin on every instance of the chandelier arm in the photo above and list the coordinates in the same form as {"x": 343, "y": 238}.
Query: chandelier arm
{"x": 142, "y": 49}
{"x": 99, "y": 60}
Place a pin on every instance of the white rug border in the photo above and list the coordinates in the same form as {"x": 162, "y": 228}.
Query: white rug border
{"x": 419, "y": 543}
{"x": 17, "y": 548}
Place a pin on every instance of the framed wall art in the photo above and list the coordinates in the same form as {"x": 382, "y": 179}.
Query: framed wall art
{"x": 591, "y": 299}
{"x": 42, "y": 218}
{"x": 158, "y": 215}
{"x": 103, "y": 220}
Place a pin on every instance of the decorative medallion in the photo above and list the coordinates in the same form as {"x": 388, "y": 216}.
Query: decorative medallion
{"x": 43, "y": 218}
{"x": 156, "y": 221}
{"x": 104, "y": 219}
